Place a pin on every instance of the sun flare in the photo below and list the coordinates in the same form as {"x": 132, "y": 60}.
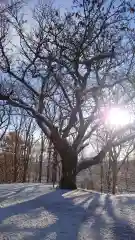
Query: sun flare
{"x": 117, "y": 117}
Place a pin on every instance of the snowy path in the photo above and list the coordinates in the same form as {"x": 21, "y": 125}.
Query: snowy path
{"x": 37, "y": 212}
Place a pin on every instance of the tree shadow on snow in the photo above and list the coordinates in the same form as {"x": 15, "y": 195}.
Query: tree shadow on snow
{"x": 107, "y": 222}
{"x": 57, "y": 215}
{"x": 122, "y": 228}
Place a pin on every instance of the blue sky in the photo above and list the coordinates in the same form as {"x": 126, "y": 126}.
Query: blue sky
{"x": 58, "y": 3}
{"x": 63, "y": 3}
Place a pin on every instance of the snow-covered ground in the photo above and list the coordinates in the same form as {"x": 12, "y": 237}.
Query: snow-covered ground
{"x": 37, "y": 211}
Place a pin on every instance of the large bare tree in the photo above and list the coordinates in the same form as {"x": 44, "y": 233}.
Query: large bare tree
{"x": 63, "y": 66}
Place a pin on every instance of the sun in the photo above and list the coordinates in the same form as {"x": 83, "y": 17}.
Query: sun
{"x": 117, "y": 117}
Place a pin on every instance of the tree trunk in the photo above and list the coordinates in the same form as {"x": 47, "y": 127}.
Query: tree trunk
{"x": 68, "y": 158}
{"x": 27, "y": 152}
{"x": 49, "y": 161}
{"x": 101, "y": 177}
{"x": 114, "y": 176}
{"x": 15, "y": 162}
{"x": 126, "y": 175}
{"x": 5, "y": 169}
{"x": 25, "y": 169}
{"x": 41, "y": 157}
{"x": 40, "y": 169}
{"x": 54, "y": 167}
{"x": 68, "y": 178}
{"x": 109, "y": 174}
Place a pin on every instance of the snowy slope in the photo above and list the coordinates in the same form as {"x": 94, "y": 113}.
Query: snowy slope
{"x": 36, "y": 211}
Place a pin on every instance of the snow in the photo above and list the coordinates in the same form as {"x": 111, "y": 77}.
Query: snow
{"x": 39, "y": 212}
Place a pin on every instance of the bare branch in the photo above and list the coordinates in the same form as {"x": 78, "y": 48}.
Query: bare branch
{"x": 99, "y": 57}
